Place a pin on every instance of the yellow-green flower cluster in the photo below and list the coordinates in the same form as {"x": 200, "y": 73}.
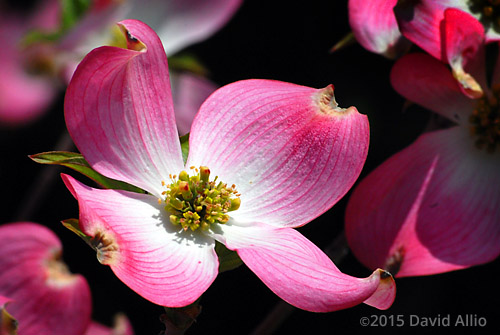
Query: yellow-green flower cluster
{"x": 196, "y": 202}
{"x": 485, "y": 122}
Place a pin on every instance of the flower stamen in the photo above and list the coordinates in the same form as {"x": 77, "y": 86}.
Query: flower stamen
{"x": 196, "y": 202}
{"x": 485, "y": 122}
{"x": 488, "y": 11}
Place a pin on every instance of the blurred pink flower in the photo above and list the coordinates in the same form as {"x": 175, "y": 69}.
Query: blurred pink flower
{"x": 24, "y": 92}
{"x": 39, "y": 292}
{"x": 45, "y": 298}
{"x": 280, "y": 145}
{"x": 24, "y": 95}
{"x": 435, "y": 206}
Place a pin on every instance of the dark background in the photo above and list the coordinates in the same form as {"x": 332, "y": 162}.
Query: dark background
{"x": 286, "y": 41}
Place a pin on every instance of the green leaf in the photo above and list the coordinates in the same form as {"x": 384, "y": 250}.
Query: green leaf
{"x": 40, "y": 36}
{"x": 187, "y": 62}
{"x": 74, "y": 226}
{"x": 72, "y": 11}
{"x": 8, "y": 324}
{"x": 344, "y": 42}
{"x": 185, "y": 146}
{"x": 228, "y": 259}
{"x": 76, "y": 162}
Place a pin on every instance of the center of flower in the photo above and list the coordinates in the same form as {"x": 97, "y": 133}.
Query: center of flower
{"x": 196, "y": 202}
{"x": 57, "y": 272}
{"x": 485, "y": 122}
{"x": 488, "y": 10}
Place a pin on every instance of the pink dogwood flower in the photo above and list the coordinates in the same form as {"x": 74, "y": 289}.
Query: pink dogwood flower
{"x": 375, "y": 27}
{"x": 267, "y": 157}
{"x": 435, "y": 206}
{"x": 43, "y": 296}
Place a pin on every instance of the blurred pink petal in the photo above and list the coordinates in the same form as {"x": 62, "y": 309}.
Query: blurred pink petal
{"x": 189, "y": 91}
{"x": 420, "y": 22}
{"x": 46, "y": 15}
{"x": 429, "y": 83}
{"x": 433, "y": 207}
{"x": 120, "y": 114}
{"x": 23, "y": 96}
{"x": 45, "y": 297}
{"x": 4, "y": 301}
{"x": 375, "y": 27}
{"x": 121, "y": 326}
{"x": 280, "y": 156}
{"x": 180, "y": 23}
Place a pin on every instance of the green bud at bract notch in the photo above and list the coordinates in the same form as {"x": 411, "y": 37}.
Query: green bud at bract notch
{"x": 184, "y": 147}
{"x": 8, "y": 325}
{"x": 74, "y": 226}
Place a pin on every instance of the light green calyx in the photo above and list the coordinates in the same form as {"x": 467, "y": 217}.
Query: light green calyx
{"x": 196, "y": 202}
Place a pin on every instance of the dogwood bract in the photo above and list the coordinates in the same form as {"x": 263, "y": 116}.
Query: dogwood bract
{"x": 264, "y": 157}
{"x": 43, "y": 296}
